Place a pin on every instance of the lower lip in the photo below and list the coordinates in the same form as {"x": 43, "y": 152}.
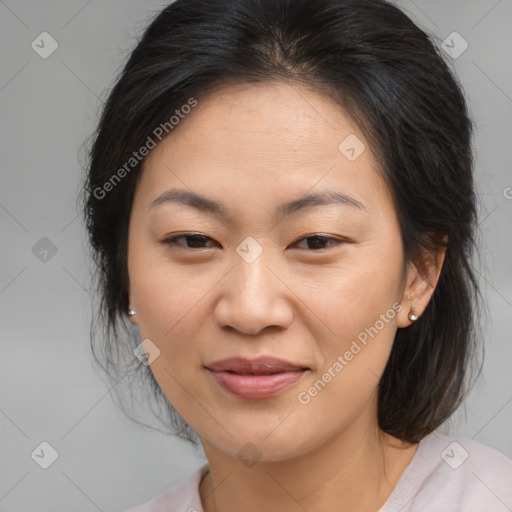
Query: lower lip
{"x": 256, "y": 386}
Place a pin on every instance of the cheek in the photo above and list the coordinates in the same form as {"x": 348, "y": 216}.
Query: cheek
{"x": 352, "y": 365}
{"x": 171, "y": 314}
{"x": 171, "y": 307}
{"x": 358, "y": 303}
{"x": 351, "y": 297}
{"x": 164, "y": 294}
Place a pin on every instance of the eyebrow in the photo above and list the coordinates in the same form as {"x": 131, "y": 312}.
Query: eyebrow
{"x": 208, "y": 205}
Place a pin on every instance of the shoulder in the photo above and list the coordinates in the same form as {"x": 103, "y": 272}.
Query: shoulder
{"x": 184, "y": 496}
{"x": 454, "y": 473}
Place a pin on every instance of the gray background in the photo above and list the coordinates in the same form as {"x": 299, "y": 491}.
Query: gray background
{"x": 49, "y": 390}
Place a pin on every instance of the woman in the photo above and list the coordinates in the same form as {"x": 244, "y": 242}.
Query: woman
{"x": 280, "y": 199}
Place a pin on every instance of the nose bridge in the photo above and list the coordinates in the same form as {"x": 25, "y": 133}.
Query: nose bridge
{"x": 253, "y": 297}
{"x": 253, "y": 280}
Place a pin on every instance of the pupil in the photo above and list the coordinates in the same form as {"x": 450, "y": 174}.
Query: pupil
{"x": 197, "y": 240}
{"x": 315, "y": 240}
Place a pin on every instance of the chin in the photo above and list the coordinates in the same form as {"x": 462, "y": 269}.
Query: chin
{"x": 264, "y": 443}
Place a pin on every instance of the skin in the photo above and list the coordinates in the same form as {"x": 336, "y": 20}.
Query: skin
{"x": 252, "y": 148}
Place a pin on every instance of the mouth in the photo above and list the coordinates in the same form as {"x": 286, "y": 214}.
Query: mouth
{"x": 260, "y": 378}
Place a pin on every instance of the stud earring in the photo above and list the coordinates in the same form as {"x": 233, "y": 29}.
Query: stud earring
{"x": 131, "y": 312}
{"x": 413, "y": 316}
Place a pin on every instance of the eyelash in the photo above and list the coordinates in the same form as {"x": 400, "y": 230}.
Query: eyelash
{"x": 172, "y": 240}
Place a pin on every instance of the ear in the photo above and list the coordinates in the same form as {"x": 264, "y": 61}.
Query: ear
{"x": 419, "y": 286}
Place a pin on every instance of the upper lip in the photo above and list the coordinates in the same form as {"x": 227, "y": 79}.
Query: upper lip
{"x": 259, "y": 366}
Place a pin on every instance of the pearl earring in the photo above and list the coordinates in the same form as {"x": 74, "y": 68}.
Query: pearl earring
{"x": 413, "y": 316}
{"x": 131, "y": 312}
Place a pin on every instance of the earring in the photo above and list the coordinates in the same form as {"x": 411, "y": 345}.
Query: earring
{"x": 131, "y": 312}
{"x": 413, "y": 316}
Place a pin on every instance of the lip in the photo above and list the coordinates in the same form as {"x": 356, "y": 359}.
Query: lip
{"x": 260, "y": 378}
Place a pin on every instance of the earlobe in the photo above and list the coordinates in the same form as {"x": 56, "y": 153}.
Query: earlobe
{"x": 413, "y": 316}
{"x": 132, "y": 315}
{"x": 419, "y": 289}
{"x": 131, "y": 312}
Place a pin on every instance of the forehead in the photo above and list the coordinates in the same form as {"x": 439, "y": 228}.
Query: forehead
{"x": 271, "y": 113}
{"x": 271, "y": 139}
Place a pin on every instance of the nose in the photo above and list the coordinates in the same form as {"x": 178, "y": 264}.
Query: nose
{"x": 253, "y": 298}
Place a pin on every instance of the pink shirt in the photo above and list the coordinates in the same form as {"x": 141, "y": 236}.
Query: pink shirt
{"x": 446, "y": 474}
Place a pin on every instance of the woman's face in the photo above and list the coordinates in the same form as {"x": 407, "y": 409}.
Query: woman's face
{"x": 260, "y": 281}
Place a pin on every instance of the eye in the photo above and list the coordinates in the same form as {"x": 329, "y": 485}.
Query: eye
{"x": 192, "y": 241}
{"x": 198, "y": 241}
{"x": 319, "y": 241}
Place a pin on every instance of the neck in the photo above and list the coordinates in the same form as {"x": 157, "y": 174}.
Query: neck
{"x": 355, "y": 470}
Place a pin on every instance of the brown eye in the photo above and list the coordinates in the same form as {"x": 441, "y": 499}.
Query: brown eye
{"x": 319, "y": 242}
{"x": 192, "y": 241}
